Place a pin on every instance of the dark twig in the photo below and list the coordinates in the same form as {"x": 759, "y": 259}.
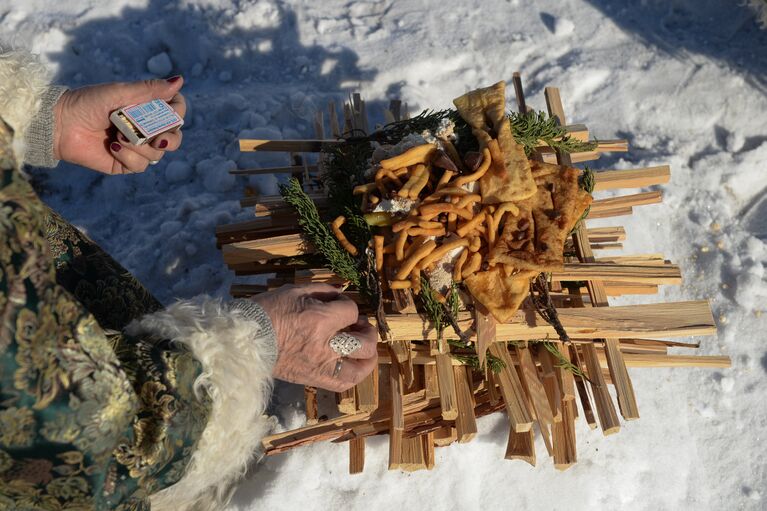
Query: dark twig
{"x": 539, "y": 294}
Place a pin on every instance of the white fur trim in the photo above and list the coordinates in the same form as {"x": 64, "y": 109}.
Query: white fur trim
{"x": 237, "y": 359}
{"x": 23, "y": 81}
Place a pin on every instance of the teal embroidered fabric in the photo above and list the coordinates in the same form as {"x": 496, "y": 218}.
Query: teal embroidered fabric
{"x": 88, "y": 419}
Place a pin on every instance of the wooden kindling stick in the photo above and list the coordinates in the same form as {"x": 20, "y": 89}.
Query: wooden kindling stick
{"x": 624, "y": 389}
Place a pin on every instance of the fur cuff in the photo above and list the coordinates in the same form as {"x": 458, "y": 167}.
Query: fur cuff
{"x": 23, "y": 83}
{"x": 237, "y": 349}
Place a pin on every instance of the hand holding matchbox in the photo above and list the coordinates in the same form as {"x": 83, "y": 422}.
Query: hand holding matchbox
{"x": 143, "y": 122}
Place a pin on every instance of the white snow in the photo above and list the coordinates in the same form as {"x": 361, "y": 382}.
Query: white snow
{"x": 160, "y": 64}
{"x": 684, "y": 81}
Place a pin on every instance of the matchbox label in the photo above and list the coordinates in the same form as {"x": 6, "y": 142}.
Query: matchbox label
{"x": 153, "y": 118}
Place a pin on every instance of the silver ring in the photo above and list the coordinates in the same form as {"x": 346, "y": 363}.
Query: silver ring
{"x": 337, "y": 369}
{"x": 345, "y": 344}
{"x": 154, "y": 162}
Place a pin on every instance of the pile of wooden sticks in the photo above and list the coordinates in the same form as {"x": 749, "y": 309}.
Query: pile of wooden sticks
{"x": 424, "y": 399}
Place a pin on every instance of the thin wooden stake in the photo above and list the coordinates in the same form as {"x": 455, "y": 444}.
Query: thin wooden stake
{"x": 397, "y": 422}
{"x": 485, "y": 332}
{"x": 537, "y": 394}
{"x": 428, "y": 447}
{"x": 565, "y": 454}
{"x": 521, "y": 446}
{"x": 447, "y": 390}
{"x": 512, "y": 391}
{"x": 516, "y": 79}
{"x": 445, "y": 436}
{"x": 413, "y": 455}
{"x": 335, "y": 130}
{"x": 465, "y": 422}
{"x": 608, "y": 419}
{"x": 310, "y": 397}
{"x": 367, "y": 393}
{"x": 356, "y": 455}
{"x": 549, "y": 378}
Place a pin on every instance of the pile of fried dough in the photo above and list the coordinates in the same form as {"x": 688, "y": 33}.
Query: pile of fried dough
{"x": 492, "y": 220}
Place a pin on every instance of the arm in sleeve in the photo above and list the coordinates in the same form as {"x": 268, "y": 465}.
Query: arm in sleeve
{"x": 173, "y": 407}
{"x": 27, "y": 101}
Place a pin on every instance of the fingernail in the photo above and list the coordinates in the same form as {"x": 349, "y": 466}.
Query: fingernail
{"x": 174, "y": 78}
{"x": 163, "y": 144}
{"x": 115, "y": 146}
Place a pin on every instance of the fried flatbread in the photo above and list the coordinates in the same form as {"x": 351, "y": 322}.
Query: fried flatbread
{"x": 485, "y": 111}
{"x": 552, "y": 213}
{"x": 501, "y": 295}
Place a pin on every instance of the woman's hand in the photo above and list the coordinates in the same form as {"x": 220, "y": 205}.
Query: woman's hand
{"x": 84, "y": 135}
{"x": 304, "y": 319}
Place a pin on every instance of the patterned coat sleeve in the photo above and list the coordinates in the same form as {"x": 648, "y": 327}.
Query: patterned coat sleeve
{"x": 148, "y": 412}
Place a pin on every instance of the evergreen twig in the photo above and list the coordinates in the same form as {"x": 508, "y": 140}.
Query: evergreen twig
{"x": 432, "y": 307}
{"x": 338, "y": 259}
{"x": 563, "y": 362}
{"x": 539, "y": 294}
{"x": 467, "y": 355}
{"x": 442, "y": 314}
{"x": 530, "y": 128}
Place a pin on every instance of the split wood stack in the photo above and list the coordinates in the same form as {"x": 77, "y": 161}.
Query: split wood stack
{"x": 425, "y": 400}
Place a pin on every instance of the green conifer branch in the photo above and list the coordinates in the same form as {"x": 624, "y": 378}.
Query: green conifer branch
{"x": 530, "y": 128}
{"x": 338, "y": 259}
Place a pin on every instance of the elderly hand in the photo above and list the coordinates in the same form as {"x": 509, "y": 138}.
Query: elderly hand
{"x": 304, "y": 319}
{"x": 84, "y": 135}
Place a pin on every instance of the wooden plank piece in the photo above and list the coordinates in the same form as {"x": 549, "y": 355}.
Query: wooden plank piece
{"x": 521, "y": 446}
{"x": 310, "y": 398}
{"x": 397, "y": 422}
{"x": 447, "y": 388}
{"x": 296, "y": 146}
{"x": 620, "y": 378}
{"x": 511, "y": 388}
{"x": 642, "y": 273}
{"x": 445, "y": 436}
{"x": 565, "y": 454}
{"x": 356, "y": 455}
{"x": 622, "y": 202}
{"x": 536, "y": 393}
{"x": 608, "y": 418}
{"x": 631, "y": 178}
{"x": 413, "y": 455}
{"x": 291, "y": 169}
{"x": 607, "y": 234}
{"x": 346, "y": 401}
{"x": 672, "y": 319}
{"x": 550, "y": 380}
{"x": 465, "y": 422}
{"x": 485, "y": 332}
{"x": 367, "y": 393}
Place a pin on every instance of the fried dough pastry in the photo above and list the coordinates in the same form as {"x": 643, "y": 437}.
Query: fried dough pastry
{"x": 535, "y": 239}
{"x": 501, "y": 295}
{"x": 509, "y": 178}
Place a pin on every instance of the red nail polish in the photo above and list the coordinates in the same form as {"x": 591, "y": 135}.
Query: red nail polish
{"x": 174, "y": 78}
{"x": 115, "y": 146}
{"x": 163, "y": 144}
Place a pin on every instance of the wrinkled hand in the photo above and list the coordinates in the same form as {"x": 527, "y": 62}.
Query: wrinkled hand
{"x": 84, "y": 135}
{"x": 304, "y": 319}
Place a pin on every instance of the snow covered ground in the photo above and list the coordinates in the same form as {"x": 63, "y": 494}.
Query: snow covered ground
{"x": 684, "y": 82}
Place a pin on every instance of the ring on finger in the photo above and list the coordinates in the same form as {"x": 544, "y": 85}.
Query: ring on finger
{"x": 344, "y": 344}
{"x": 154, "y": 162}
{"x": 337, "y": 369}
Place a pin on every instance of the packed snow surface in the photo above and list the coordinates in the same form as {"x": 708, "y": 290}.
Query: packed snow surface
{"x": 684, "y": 81}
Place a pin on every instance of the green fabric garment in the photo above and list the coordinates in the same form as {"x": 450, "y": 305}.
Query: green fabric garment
{"x": 88, "y": 419}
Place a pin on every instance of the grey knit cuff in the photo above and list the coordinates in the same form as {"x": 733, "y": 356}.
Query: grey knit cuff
{"x": 254, "y": 312}
{"x": 39, "y": 136}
